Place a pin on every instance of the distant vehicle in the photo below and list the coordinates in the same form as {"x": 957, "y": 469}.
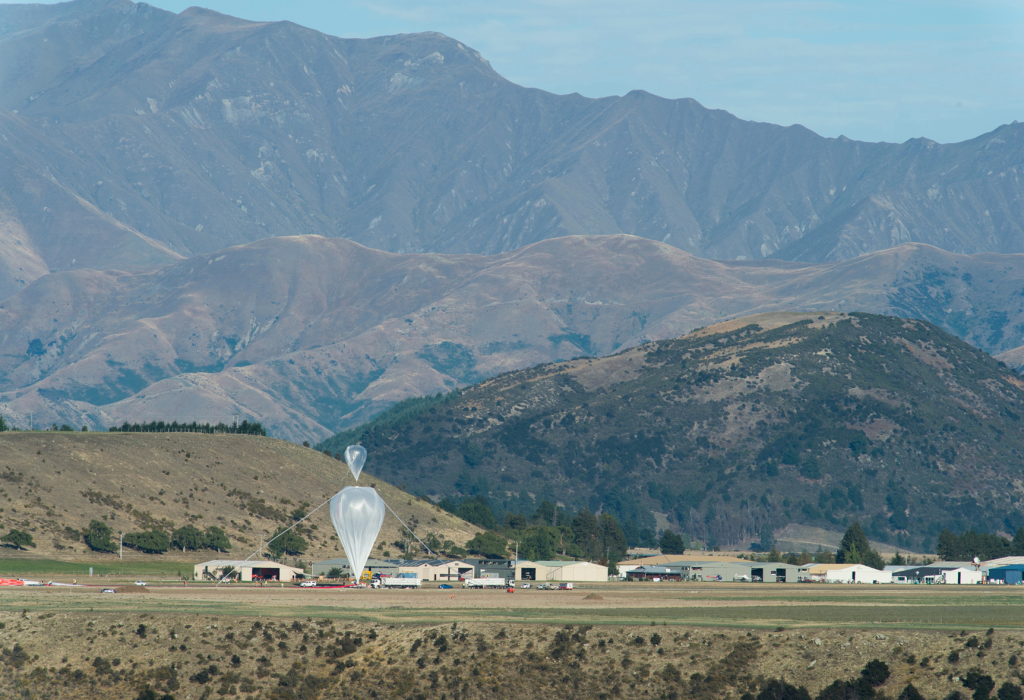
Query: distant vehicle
{"x": 307, "y": 584}
{"x": 140, "y": 583}
{"x": 543, "y": 587}
{"x": 109, "y": 590}
{"x": 403, "y": 580}
{"x": 741, "y": 577}
{"x": 490, "y": 582}
{"x": 526, "y": 585}
{"x": 565, "y": 586}
{"x": 445, "y": 586}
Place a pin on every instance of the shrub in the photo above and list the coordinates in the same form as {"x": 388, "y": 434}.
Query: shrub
{"x": 781, "y": 690}
{"x": 1009, "y": 691}
{"x": 98, "y": 537}
{"x": 980, "y": 683}
{"x": 875, "y": 672}
{"x": 148, "y": 693}
{"x": 910, "y": 693}
{"x": 17, "y": 657}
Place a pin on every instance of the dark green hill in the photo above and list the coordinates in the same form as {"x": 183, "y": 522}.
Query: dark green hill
{"x": 809, "y": 418}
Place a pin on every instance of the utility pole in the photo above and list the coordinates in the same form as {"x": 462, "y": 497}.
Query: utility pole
{"x": 120, "y": 554}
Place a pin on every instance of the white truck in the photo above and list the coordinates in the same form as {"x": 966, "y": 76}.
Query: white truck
{"x": 489, "y": 582}
{"x": 403, "y": 580}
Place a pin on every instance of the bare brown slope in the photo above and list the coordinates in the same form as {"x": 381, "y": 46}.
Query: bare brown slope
{"x": 311, "y": 335}
{"x": 243, "y": 484}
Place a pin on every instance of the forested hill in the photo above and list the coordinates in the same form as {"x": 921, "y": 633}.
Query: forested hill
{"x": 809, "y": 418}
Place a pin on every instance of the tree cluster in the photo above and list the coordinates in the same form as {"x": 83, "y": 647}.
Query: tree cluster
{"x": 100, "y": 538}
{"x": 243, "y": 428}
{"x": 970, "y": 544}
{"x": 548, "y": 531}
{"x": 17, "y": 539}
{"x": 290, "y": 542}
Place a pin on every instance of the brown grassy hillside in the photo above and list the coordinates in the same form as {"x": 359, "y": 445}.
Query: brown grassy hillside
{"x": 53, "y": 484}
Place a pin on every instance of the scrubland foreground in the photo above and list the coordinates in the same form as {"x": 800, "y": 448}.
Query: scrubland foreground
{"x": 453, "y": 644}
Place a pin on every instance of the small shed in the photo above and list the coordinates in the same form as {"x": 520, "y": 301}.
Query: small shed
{"x": 247, "y": 570}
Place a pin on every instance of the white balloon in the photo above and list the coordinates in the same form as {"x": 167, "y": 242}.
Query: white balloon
{"x": 355, "y": 456}
{"x": 357, "y": 513}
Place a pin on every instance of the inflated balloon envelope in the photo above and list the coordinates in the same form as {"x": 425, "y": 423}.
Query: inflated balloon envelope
{"x": 355, "y": 457}
{"x": 357, "y": 513}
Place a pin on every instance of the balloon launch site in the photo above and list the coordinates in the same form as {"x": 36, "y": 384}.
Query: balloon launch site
{"x": 191, "y": 566}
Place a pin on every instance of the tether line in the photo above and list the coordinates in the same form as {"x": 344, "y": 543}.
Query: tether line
{"x": 298, "y": 522}
{"x": 429, "y": 550}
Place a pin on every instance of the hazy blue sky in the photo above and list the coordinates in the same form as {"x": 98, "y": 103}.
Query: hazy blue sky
{"x": 870, "y": 69}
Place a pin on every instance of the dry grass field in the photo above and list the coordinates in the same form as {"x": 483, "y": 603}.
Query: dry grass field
{"x": 602, "y": 640}
{"x": 52, "y": 484}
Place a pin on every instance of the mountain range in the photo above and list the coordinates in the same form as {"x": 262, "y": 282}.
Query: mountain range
{"x": 131, "y": 137}
{"x": 203, "y": 217}
{"x": 813, "y": 418}
{"x": 312, "y": 335}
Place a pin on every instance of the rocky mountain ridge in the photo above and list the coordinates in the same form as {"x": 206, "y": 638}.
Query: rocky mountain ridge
{"x": 131, "y": 137}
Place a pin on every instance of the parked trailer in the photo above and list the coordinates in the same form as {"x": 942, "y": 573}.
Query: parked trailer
{"x": 404, "y": 580}
{"x": 491, "y": 582}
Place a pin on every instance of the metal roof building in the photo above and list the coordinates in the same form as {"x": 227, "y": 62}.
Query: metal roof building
{"x": 844, "y": 573}
{"x": 1012, "y": 574}
{"x": 248, "y": 570}
{"x": 919, "y": 574}
{"x": 437, "y": 569}
{"x": 1004, "y": 561}
{"x": 654, "y": 573}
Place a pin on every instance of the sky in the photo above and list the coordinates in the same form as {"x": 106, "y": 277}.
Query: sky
{"x": 873, "y": 70}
